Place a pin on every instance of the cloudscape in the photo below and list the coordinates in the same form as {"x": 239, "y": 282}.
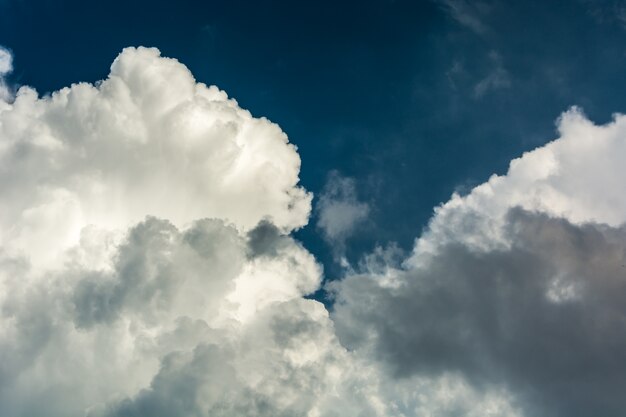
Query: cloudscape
{"x": 162, "y": 254}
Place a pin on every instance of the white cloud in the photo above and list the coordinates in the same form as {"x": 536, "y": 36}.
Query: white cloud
{"x": 148, "y": 140}
{"x": 576, "y": 177}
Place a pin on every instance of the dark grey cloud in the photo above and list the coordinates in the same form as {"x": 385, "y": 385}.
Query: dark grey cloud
{"x": 544, "y": 318}
{"x": 266, "y": 239}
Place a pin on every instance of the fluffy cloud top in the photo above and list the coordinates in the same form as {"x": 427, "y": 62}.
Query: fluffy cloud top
{"x": 576, "y": 177}
{"x": 148, "y": 140}
{"x": 146, "y": 269}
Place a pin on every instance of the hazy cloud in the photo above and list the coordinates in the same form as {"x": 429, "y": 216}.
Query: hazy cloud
{"x": 468, "y": 14}
{"x": 6, "y": 67}
{"x": 339, "y": 210}
{"x": 497, "y": 78}
{"x": 148, "y": 140}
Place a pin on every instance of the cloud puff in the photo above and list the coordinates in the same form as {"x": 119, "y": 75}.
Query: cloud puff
{"x": 520, "y": 284}
{"x": 339, "y": 210}
{"x": 148, "y": 140}
{"x": 6, "y": 67}
{"x": 6, "y": 61}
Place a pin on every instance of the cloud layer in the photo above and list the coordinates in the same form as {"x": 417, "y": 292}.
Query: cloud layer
{"x": 146, "y": 269}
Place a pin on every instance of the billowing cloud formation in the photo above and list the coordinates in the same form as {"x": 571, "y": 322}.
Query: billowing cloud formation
{"x": 105, "y": 311}
{"x": 148, "y": 140}
{"x": 146, "y": 269}
{"x": 519, "y": 284}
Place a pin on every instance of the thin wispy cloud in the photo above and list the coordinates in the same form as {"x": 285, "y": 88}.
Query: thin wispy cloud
{"x": 467, "y": 13}
{"x": 497, "y": 78}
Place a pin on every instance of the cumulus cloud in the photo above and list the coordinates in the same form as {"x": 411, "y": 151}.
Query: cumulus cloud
{"x": 146, "y": 266}
{"x": 148, "y": 140}
{"x": 519, "y": 284}
{"x": 147, "y": 269}
{"x": 339, "y": 210}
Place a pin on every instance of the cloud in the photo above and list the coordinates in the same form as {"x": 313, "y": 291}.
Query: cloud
{"x": 6, "y": 61}
{"x": 146, "y": 266}
{"x": 144, "y": 230}
{"x": 519, "y": 284}
{"x": 339, "y": 210}
{"x": 497, "y": 78}
{"x": 6, "y": 67}
{"x": 466, "y": 13}
{"x": 148, "y": 140}
{"x": 147, "y": 269}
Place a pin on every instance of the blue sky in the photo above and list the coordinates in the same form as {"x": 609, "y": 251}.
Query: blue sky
{"x": 385, "y": 92}
{"x": 462, "y": 252}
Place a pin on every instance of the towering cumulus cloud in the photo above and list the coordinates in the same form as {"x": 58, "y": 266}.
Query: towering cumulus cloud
{"x": 147, "y": 269}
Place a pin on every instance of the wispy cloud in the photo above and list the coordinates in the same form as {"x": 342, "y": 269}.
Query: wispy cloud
{"x": 468, "y": 14}
{"x": 496, "y": 79}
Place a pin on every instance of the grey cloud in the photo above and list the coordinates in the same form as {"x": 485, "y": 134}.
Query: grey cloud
{"x": 544, "y": 318}
{"x": 266, "y": 239}
{"x": 340, "y": 211}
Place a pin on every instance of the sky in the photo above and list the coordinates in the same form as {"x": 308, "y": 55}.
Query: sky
{"x": 317, "y": 209}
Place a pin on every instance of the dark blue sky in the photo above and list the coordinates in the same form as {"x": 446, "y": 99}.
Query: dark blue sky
{"x": 412, "y": 99}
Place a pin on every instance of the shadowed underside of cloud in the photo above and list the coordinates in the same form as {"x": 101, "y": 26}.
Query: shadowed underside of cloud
{"x": 146, "y": 269}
